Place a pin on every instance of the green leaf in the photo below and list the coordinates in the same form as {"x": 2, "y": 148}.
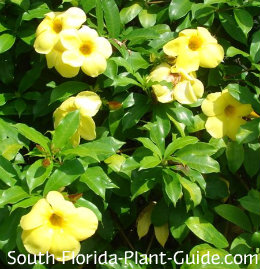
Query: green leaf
{"x": 251, "y": 202}
{"x": 252, "y": 159}
{"x": 33, "y": 135}
{"x": 147, "y": 18}
{"x": 172, "y": 185}
{"x": 20, "y": 106}
{"x": 249, "y": 131}
{"x": 255, "y": 47}
{"x": 88, "y": 5}
{"x": 112, "y": 18}
{"x": 12, "y": 196}
{"x": 142, "y": 34}
{"x": 128, "y": 13}
{"x": 36, "y": 13}
{"x": 206, "y": 232}
{"x": 66, "y": 129}
{"x": 231, "y": 27}
{"x": 28, "y": 202}
{"x": 244, "y": 19}
{"x": 68, "y": 172}
{"x": 100, "y": 149}
{"x": 178, "y": 144}
{"x": 198, "y": 148}
{"x": 66, "y": 89}
{"x": 235, "y": 156}
{"x": 37, "y": 174}
{"x": 6, "y": 42}
{"x": 9, "y": 147}
{"x": 160, "y": 213}
{"x": 235, "y": 215}
{"x": 99, "y": 15}
{"x": 232, "y": 51}
{"x": 149, "y": 162}
{"x": 7, "y": 172}
{"x": 97, "y": 180}
{"x": 150, "y": 145}
{"x": 179, "y": 8}
{"x": 192, "y": 189}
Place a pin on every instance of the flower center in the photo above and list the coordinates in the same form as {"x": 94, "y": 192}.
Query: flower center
{"x": 56, "y": 220}
{"x": 229, "y": 110}
{"x": 87, "y": 48}
{"x": 195, "y": 43}
{"x": 57, "y": 26}
{"x": 175, "y": 78}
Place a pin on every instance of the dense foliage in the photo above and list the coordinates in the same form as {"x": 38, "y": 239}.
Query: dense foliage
{"x": 148, "y": 163}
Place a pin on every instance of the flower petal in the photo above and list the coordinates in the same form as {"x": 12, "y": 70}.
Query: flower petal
{"x": 38, "y": 240}
{"x": 45, "y": 25}
{"x": 74, "y": 17}
{"x": 175, "y": 46}
{"x": 70, "y": 39}
{"x": 87, "y": 128}
{"x": 205, "y": 35}
{"x": 69, "y": 104}
{"x": 163, "y": 94}
{"x": 61, "y": 242}
{"x": 86, "y": 33}
{"x": 217, "y": 126}
{"x": 233, "y": 126}
{"x": 82, "y": 224}
{"x": 211, "y": 55}
{"x": 75, "y": 139}
{"x": 188, "y": 60}
{"x": 66, "y": 70}
{"x": 183, "y": 93}
{"x": 45, "y": 42}
{"x": 88, "y": 102}
{"x": 94, "y": 65}
{"x": 72, "y": 58}
{"x": 244, "y": 110}
{"x": 197, "y": 87}
{"x": 214, "y": 104}
{"x": 188, "y": 32}
{"x": 104, "y": 47}
{"x": 52, "y": 57}
{"x": 38, "y": 215}
{"x": 161, "y": 72}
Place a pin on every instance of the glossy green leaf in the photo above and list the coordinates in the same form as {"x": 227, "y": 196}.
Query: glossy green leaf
{"x": 147, "y": 18}
{"x": 6, "y": 42}
{"x": 12, "y": 195}
{"x": 150, "y": 145}
{"x": 244, "y": 19}
{"x": 248, "y": 131}
{"x": 235, "y": 156}
{"x": 255, "y": 47}
{"x": 251, "y": 202}
{"x": 206, "y": 232}
{"x": 179, "y": 8}
{"x": 128, "y": 13}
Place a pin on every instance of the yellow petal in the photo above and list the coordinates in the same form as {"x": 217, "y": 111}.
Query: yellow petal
{"x": 87, "y": 128}
{"x": 70, "y": 39}
{"x": 163, "y": 94}
{"x": 94, "y": 65}
{"x": 175, "y": 46}
{"x": 217, "y": 126}
{"x": 82, "y": 225}
{"x": 58, "y": 116}
{"x": 88, "y": 102}
{"x": 69, "y": 104}
{"x": 86, "y": 33}
{"x": 37, "y": 240}
{"x": 51, "y": 58}
{"x": 188, "y": 32}
{"x": 197, "y": 87}
{"x": 61, "y": 241}
{"x": 45, "y": 42}
{"x": 144, "y": 221}
{"x": 104, "y": 47}
{"x": 74, "y": 17}
{"x": 183, "y": 93}
{"x": 59, "y": 205}
{"x": 205, "y": 35}
{"x": 230, "y": 100}
{"x": 65, "y": 70}
{"x": 38, "y": 215}
{"x": 211, "y": 55}
{"x": 45, "y": 25}
{"x": 188, "y": 60}
{"x": 161, "y": 72}
{"x": 244, "y": 110}
{"x": 72, "y": 58}
{"x": 214, "y": 104}
{"x": 233, "y": 126}
{"x": 162, "y": 233}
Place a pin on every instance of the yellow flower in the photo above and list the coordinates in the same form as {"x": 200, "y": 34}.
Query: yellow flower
{"x": 186, "y": 88}
{"x": 88, "y": 104}
{"x": 194, "y": 48}
{"x": 48, "y": 31}
{"x": 85, "y": 49}
{"x": 224, "y": 114}
{"x": 56, "y": 225}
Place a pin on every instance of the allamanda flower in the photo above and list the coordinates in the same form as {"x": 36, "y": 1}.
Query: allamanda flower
{"x": 88, "y": 104}
{"x": 186, "y": 88}
{"x": 85, "y": 49}
{"x": 224, "y": 114}
{"x": 56, "y": 225}
{"x": 48, "y": 31}
{"x": 194, "y": 48}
